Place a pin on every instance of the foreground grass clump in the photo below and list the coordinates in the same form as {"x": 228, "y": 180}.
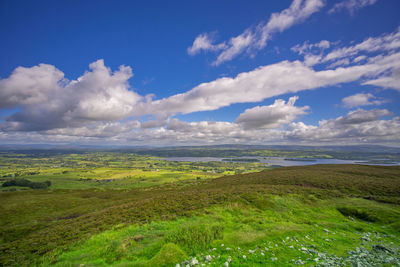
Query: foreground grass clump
{"x": 195, "y": 237}
{"x": 109, "y": 227}
{"x": 168, "y": 255}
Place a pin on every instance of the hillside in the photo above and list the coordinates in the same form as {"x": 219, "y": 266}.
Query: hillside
{"x": 284, "y": 216}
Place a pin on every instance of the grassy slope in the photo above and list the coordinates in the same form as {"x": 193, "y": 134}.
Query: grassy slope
{"x": 236, "y": 230}
{"x": 259, "y": 207}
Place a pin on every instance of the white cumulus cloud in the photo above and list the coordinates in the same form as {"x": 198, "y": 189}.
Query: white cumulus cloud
{"x": 272, "y": 116}
{"x": 30, "y": 86}
{"x": 47, "y": 100}
{"x": 361, "y": 99}
{"x": 357, "y": 126}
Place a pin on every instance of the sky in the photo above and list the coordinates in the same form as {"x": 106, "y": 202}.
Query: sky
{"x": 163, "y": 73}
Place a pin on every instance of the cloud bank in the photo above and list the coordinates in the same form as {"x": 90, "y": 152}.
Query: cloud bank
{"x": 44, "y": 106}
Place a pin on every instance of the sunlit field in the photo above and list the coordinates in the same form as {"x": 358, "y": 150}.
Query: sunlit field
{"x": 110, "y": 170}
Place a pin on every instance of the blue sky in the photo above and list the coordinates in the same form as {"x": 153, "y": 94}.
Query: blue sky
{"x": 205, "y": 72}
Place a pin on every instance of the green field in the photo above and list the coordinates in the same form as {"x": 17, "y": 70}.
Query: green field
{"x": 110, "y": 170}
{"x": 322, "y": 215}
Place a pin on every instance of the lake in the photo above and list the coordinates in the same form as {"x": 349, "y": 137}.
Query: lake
{"x": 285, "y": 162}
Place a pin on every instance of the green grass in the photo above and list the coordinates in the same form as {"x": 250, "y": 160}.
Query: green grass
{"x": 194, "y": 237}
{"x": 131, "y": 226}
{"x": 233, "y": 230}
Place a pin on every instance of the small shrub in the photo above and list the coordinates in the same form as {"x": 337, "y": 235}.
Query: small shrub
{"x": 37, "y": 185}
{"x": 26, "y": 183}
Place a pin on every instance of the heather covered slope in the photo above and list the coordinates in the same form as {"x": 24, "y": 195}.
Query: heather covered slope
{"x": 65, "y": 226}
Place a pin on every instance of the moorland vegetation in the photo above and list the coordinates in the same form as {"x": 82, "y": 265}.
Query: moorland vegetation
{"x": 321, "y": 215}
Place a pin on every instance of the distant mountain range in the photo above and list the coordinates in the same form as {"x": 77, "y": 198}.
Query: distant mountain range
{"x": 350, "y": 148}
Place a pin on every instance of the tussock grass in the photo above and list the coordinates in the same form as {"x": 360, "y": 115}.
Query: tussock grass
{"x": 195, "y": 237}
{"x": 169, "y": 255}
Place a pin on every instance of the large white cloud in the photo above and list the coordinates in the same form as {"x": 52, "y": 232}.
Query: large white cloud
{"x": 269, "y": 81}
{"x": 356, "y": 127}
{"x": 102, "y": 95}
{"x": 215, "y": 132}
{"x": 30, "y": 86}
{"x": 360, "y": 116}
{"x": 48, "y": 101}
{"x": 272, "y": 116}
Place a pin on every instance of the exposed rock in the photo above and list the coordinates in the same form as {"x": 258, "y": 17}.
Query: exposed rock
{"x": 193, "y": 262}
{"x": 208, "y": 258}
